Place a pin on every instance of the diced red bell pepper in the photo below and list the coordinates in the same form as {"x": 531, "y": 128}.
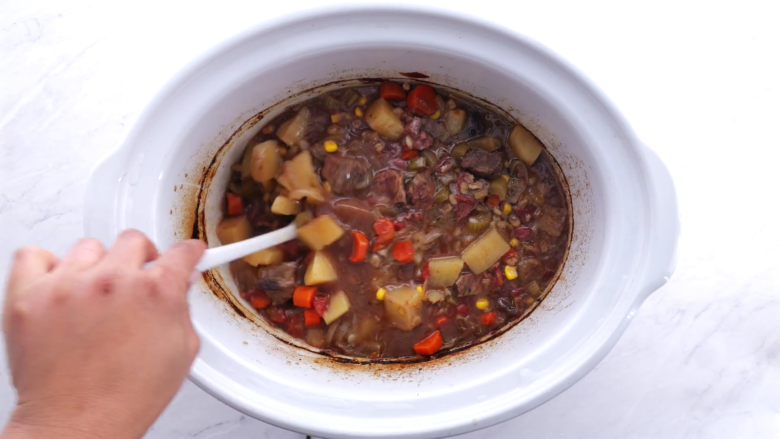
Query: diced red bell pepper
{"x": 493, "y": 200}
{"x": 234, "y": 204}
{"x": 488, "y": 318}
{"x": 511, "y": 253}
{"x": 409, "y": 154}
{"x": 442, "y": 320}
{"x": 260, "y": 300}
{"x": 426, "y": 270}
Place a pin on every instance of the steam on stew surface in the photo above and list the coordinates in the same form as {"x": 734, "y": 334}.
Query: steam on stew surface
{"x": 425, "y": 221}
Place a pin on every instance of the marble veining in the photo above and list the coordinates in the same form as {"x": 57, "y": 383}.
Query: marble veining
{"x": 698, "y": 81}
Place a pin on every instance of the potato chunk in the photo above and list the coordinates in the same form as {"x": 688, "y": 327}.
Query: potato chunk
{"x": 299, "y": 178}
{"x": 403, "y": 306}
{"x": 486, "y": 143}
{"x": 285, "y": 206}
{"x": 337, "y": 307}
{"x": 265, "y": 161}
{"x": 293, "y": 131}
{"x": 269, "y": 256}
{"x": 525, "y": 145}
{"x": 454, "y": 121}
{"x": 320, "y": 232}
{"x": 380, "y": 118}
{"x": 444, "y": 271}
{"x": 485, "y": 251}
{"x": 320, "y": 270}
{"x": 234, "y": 229}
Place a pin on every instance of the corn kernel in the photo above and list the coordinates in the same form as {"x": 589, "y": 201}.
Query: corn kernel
{"x": 506, "y": 163}
{"x": 436, "y": 115}
{"x": 506, "y": 209}
{"x": 330, "y": 146}
{"x": 505, "y": 177}
{"x": 514, "y": 242}
{"x": 510, "y": 272}
{"x": 358, "y": 112}
{"x": 380, "y": 294}
{"x": 335, "y": 118}
{"x": 326, "y": 185}
{"x": 482, "y": 303}
{"x": 363, "y": 100}
{"x": 419, "y": 288}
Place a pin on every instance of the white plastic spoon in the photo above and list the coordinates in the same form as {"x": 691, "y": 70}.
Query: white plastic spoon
{"x": 221, "y": 255}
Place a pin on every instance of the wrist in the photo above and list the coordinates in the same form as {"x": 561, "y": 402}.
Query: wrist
{"x": 20, "y": 429}
{"x": 34, "y": 424}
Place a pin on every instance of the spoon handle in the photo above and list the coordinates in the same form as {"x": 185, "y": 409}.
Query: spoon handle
{"x": 216, "y": 256}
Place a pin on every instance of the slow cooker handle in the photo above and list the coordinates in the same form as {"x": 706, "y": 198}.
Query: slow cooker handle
{"x": 664, "y": 223}
{"x": 101, "y": 199}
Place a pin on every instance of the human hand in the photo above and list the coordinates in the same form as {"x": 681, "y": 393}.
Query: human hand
{"x": 98, "y": 345}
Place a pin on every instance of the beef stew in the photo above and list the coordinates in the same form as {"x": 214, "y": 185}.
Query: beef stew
{"x": 425, "y": 221}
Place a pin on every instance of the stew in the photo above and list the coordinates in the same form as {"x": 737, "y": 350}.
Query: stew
{"x": 425, "y": 221}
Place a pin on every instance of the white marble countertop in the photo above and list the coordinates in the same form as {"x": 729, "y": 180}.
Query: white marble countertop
{"x": 698, "y": 81}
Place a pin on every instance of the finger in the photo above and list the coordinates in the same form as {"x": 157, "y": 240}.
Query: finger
{"x": 177, "y": 264}
{"x": 131, "y": 249}
{"x": 85, "y": 254}
{"x": 30, "y": 263}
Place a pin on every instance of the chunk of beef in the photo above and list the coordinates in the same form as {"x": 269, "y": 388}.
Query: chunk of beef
{"x": 413, "y": 128}
{"x": 530, "y": 269}
{"x": 389, "y": 186}
{"x": 278, "y": 281}
{"x": 552, "y": 220}
{"x": 354, "y": 213}
{"x": 462, "y": 210}
{"x": 469, "y": 189}
{"x": 436, "y": 128}
{"x": 421, "y": 190}
{"x": 469, "y": 284}
{"x": 347, "y": 174}
{"x": 519, "y": 170}
{"x": 260, "y": 217}
{"x": 244, "y": 274}
{"x": 482, "y": 163}
{"x": 445, "y": 165}
{"x": 318, "y": 122}
{"x": 514, "y": 189}
{"x": 405, "y": 272}
{"x": 415, "y": 137}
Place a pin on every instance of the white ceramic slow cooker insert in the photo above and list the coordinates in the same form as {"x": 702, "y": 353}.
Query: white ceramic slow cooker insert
{"x": 624, "y": 209}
